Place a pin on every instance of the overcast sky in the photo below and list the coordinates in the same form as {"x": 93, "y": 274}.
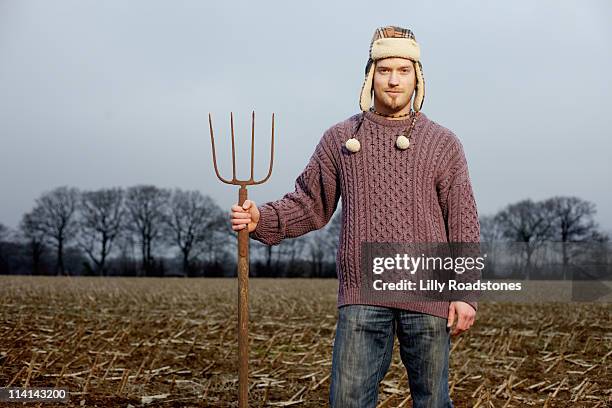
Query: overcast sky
{"x": 116, "y": 93}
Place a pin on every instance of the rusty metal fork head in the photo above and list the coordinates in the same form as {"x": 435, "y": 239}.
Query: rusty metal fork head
{"x": 251, "y": 181}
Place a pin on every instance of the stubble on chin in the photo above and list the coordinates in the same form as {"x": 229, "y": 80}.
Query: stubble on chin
{"x": 393, "y": 104}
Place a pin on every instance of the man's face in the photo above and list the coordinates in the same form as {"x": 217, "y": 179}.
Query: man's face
{"x": 394, "y": 83}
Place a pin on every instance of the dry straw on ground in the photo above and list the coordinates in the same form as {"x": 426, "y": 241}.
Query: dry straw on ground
{"x": 172, "y": 343}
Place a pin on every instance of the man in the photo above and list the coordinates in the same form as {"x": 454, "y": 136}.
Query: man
{"x": 402, "y": 178}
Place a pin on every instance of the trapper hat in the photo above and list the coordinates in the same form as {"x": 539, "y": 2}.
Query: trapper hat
{"x": 390, "y": 42}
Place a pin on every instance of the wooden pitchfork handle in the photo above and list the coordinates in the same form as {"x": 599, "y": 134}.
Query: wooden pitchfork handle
{"x": 243, "y": 308}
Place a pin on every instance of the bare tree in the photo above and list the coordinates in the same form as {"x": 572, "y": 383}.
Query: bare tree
{"x": 4, "y": 232}
{"x": 270, "y": 251}
{"x": 491, "y": 232}
{"x": 599, "y": 237}
{"x": 191, "y": 219}
{"x": 4, "y": 236}
{"x": 219, "y": 245}
{"x": 102, "y": 216}
{"x": 574, "y": 218}
{"x": 32, "y": 231}
{"x": 126, "y": 245}
{"x": 332, "y": 231}
{"x": 316, "y": 252}
{"x": 219, "y": 248}
{"x": 147, "y": 209}
{"x": 573, "y": 221}
{"x": 490, "y": 229}
{"x": 56, "y": 217}
{"x": 527, "y": 222}
{"x": 292, "y": 250}
{"x": 273, "y": 254}
{"x": 321, "y": 247}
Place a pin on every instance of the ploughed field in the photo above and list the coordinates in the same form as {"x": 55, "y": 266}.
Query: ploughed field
{"x": 173, "y": 343}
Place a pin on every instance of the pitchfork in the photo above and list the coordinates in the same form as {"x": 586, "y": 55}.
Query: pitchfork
{"x": 243, "y": 255}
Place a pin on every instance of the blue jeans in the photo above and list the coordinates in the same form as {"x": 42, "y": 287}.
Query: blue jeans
{"x": 363, "y": 348}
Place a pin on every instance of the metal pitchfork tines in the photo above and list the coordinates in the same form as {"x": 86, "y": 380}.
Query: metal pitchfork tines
{"x": 243, "y": 254}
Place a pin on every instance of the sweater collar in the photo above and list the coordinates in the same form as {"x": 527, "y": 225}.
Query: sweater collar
{"x": 383, "y": 121}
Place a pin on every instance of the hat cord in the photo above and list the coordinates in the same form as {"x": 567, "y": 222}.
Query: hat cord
{"x": 390, "y": 116}
{"x": 402, "y": 142}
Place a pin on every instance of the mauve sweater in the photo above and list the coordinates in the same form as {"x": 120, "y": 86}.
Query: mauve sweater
{"x": 419, "y": 195}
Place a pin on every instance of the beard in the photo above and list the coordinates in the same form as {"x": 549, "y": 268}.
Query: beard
{"x": 394, "y": 103}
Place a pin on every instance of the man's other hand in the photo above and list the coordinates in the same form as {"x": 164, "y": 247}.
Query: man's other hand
{"x": 463, "y": 313}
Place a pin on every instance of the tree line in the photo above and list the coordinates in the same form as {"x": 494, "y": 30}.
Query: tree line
{"x": 105, "y": 231}
{"x": 145, "y": 230}
{"x": 560, "y": 232}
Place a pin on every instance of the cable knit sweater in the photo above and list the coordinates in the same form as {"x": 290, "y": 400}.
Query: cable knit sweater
{"x": 419, "y": 195}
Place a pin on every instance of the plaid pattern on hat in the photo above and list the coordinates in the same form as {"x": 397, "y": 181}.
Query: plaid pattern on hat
{"x": 391, "y": 32}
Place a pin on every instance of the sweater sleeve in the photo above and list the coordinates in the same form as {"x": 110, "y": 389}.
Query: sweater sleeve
{"x": 458, "y": 205}
{"x": 309, "y": 207}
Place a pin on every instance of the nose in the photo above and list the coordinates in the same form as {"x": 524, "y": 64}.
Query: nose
{"x": 393, "y": 79}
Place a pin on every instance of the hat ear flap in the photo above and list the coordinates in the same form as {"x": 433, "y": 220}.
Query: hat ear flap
{"x": 365, "y": 100}
{"x": 419, "y": 96}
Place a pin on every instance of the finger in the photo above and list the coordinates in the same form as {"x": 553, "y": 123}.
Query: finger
{"x": 451, "y": 315}
{"x": 462, "y": 323}
{"x": 247, "y": 204}
{"x": 457, "y": 329}
{"x": 241, "y": 215}
{"x": 240, "y": 221}
{"x": 236, "y": 207}
{"x": 238, "y": 227}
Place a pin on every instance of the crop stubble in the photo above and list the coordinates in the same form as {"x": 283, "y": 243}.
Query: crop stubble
{"x": 172, "y": 342}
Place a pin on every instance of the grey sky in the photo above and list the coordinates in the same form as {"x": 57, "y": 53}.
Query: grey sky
{"x": 116, "y": 93}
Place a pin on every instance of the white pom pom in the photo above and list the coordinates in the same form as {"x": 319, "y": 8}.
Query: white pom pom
{"x": 353, "y": 145}
{"x": 402, "y": 142}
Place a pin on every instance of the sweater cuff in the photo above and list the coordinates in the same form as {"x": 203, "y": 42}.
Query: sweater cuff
{"x": 268, "y": 229}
